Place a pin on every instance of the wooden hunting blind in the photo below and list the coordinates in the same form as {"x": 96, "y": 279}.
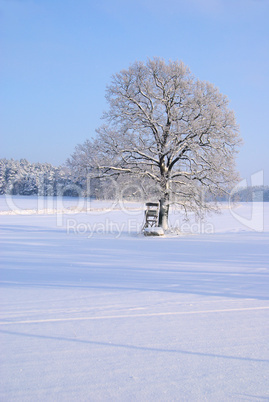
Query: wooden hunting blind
{"x": 152, "y": 214}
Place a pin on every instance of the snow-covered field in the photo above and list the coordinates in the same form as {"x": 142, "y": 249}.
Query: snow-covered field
{"x": 91, "y": 310}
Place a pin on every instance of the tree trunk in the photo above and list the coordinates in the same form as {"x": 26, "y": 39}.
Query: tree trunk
{"x": 164, "y": 210}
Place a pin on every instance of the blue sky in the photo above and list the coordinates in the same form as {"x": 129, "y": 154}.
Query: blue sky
{"x": 59, "y": 55}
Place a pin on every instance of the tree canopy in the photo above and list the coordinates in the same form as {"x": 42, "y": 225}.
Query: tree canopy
{"x": 167, "y": 129}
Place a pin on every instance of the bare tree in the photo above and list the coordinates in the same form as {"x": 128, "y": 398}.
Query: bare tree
{"x": 168, "y": 128}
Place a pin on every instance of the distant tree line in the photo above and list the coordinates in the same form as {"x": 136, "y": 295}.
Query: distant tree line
{"x": 25, "y": 178}
{"x": 252, "y": 194}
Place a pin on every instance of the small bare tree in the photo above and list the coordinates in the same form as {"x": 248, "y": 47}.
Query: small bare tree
{"x": 168, "y": 128}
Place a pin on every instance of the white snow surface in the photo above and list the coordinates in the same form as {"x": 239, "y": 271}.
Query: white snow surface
{"x": 91, "y": 310}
